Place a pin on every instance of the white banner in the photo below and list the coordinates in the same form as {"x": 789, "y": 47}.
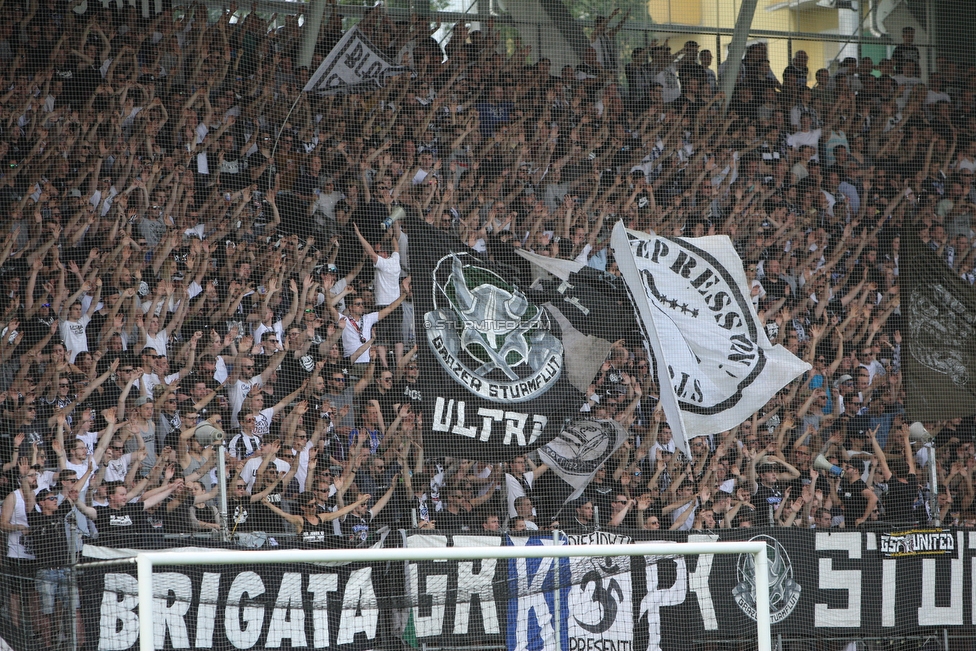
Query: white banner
{"x": 353, "y": 66}
{"x": 692, "y": 299}
{"x": 601, "y": 604}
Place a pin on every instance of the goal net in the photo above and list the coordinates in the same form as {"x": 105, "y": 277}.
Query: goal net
{"x": 528, "y": 593}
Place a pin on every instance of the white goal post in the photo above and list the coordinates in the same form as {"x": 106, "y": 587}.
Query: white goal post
{"x": 147, "y": 560}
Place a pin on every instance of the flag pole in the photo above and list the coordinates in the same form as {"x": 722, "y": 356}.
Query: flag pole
{"x": 283, "y": 123}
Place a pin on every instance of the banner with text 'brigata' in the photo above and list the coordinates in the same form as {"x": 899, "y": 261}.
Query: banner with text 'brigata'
{"x": 494, "y": 382}
{"x": 838, "y": 583}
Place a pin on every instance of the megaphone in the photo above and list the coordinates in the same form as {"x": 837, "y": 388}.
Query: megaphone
{"x": 821, "y": 463}
{"x": 395, "y": 215}
{"x": 917, "y": 432}
{"x": 206, "y": 434}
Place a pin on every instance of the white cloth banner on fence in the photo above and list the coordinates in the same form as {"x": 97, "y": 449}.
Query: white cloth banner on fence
{"x": 353, "y": 66}
{"x": 601, "y": 604}
{"x": 692, "y": 300}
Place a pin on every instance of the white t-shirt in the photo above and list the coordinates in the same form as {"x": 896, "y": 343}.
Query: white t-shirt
{"x": 356, "y": 333}
{"x": 302, "y": 474}
{"x": 238, "y": 391}
{"x": 158, "y": 342}
{"x": 90, "y": 439}
{"x": 74, "y": 337}
{"x": 386, "y": 282}
{"x": 262, "y": 422}
{"x": 249, "y": 473}
{"x": 516, "y": 490}
{"x": 116, "y": 469}
{"x": 80, "y": 469}
{"x": 151, "y": 380}
{"x": 275, "y": 327}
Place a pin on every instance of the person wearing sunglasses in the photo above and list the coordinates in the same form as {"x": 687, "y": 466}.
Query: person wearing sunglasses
{"x": 244, "y": 378}
{"x": 47, "y": 537}
{"x": 358, "y": 327}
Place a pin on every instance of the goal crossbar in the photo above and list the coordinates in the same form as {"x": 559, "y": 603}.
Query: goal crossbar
{"x": 147, "y": 560}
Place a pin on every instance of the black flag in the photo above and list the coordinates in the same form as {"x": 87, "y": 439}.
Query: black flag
{"x": 939, "y": 355}
{"x": 493, "y": 378}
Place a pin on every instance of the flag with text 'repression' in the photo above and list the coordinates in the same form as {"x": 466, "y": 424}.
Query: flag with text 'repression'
{"x": 714, "y": 362}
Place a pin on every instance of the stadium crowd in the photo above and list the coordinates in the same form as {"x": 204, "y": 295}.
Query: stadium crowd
{"x": 189, "y": 238}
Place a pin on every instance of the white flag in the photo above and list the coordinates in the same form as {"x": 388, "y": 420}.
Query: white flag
{"x": 353, "y": 66}
{"x": 580, "y": 449}
{"x": 692, "y": 299}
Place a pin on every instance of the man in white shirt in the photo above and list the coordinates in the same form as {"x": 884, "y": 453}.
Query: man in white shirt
{"x": 242, "y": 378}
{"x": 269, "y": 448}
{"x": 73, "y": 328}
{"x": 385, "y": 257}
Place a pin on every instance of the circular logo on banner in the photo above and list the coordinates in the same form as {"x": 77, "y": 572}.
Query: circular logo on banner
{"x": 487, "y": 335}
{"x": 784, "y": 591}
{"x": 938, "y": 336}
{"x": 583, "y": 446}
{"x": 689, "y": 290}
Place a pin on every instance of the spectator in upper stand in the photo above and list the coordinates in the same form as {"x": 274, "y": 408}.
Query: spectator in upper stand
{"x": 602, "y": 40}
{"x": 385, "y": 257}
{"x": 906, "y": 50}
{"x": 519, "y": 480}
{"x": 857, "y": 499}
{"x": 798, "y": 68}
{"x": 358, "y": 329}
{"x": 494, "y": 111}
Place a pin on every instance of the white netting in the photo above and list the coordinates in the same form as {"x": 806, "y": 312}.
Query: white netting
{"x": 456, "y": 267}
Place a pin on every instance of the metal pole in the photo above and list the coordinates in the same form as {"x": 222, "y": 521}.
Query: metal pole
{"x": 373, "y": 555}
{"x": 222, "y": 489}
{"x": 933, "y": 485}
{"x": 737, "y": 48}
{"x": 762, "y": 600}
{"x": 144, "y": 565}
{"x": 73, "y": 581}
{"x": 557, "y": 602}
{"x": 310, "y": 32}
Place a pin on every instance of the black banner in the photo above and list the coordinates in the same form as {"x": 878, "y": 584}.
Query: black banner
{"x": 346, "y": 607}
{"x": 837, "y": 583}
{"x": 493, "y": 362}
{"x": 939, "y": 356}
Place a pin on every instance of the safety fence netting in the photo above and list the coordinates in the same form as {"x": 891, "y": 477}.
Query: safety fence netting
{"x": 451, "y": 273}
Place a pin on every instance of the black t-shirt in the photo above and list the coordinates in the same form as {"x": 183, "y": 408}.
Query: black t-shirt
{"x": 316, "y": 535}
{"x": 775, "y": 288}
{"x": 94, "y": 328}
{"x": 295, "y": 371}
{"x": 120, "y": 527}
{"x": 355, "y": 528}
{"x": 764, "y": 498}
{"x": 899, "y": 501}
{"x": 48, "y": 536}
{"x": 851, "y": 494}
{"x": 404, "y": 392}
{"x": 263, "y": 518}
{"x": 447, "y": 521}
{"x": 387, "y": 402}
